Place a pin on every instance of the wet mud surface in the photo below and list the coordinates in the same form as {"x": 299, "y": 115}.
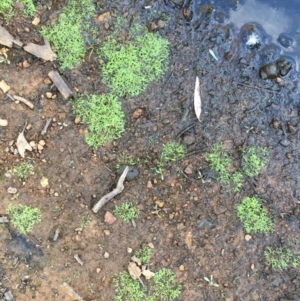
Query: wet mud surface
{"x": 195, "y": 232}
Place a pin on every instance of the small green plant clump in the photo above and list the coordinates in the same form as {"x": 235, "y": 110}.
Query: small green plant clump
{"x": 172, "y": 151}
{"x": 66, "y": 34}
{"x": 126, "y": 211}
{"x": 104, "y": 116}
{"x": 125, "y": 159}
{"x": 6, "y": 7}
{"x": 163, "y": 287}
{"x": 144, "y": 254}
{"x": 130, "y": 66}
{"x": 23, "y": 170}
{"x": 220, "y": 161}
{"x": 24, "y": 217}
{"x": 85, "y": 219}
{"x": 281, "y": 258}
{"x": 253, "y": 216}
{"x": 254, "y": 159}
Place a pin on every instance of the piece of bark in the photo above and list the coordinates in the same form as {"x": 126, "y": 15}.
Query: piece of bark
{"x": 110, "y": 195}
{"x": 60, "y": 84}
{"x": 27, "y": 102}
{"x": 41, "y": 51}
{"x": 7, "y": 39}
{"x": 3, "y": 219}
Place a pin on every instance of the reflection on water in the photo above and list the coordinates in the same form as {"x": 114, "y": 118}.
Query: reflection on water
{"x": 279, "y": 19}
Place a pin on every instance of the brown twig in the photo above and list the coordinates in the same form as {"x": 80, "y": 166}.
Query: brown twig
{"x": 27, "y": 102}
{"x": 112, "y": 194}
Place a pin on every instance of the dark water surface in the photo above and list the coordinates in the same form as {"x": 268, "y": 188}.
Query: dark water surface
{"x": 279, "y": 20}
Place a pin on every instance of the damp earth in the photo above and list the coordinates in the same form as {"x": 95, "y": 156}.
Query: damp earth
{"x": 250, "y": 96}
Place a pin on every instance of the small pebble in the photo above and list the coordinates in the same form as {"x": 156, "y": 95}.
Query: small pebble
{"x": 106, "y": 255}
{"x": 12, "y": 190}
{"x": 129, "y": 250}
{"x": 248, "y": 237}
{"x": 106, "y": 232}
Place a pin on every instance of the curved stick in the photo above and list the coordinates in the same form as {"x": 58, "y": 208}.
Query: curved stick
{"x": 110, "y": 195}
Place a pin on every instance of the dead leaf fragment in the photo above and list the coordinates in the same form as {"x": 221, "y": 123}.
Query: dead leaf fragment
{"x": 148, "y": 274}
{"x": 197, "y": 99}
{"x": 136, "y": 260}
{"x": 22, "y": 144}
{"x": 4, "y": 86}
{"x": 41, "y": 51}
{"x": 134, "y": 271}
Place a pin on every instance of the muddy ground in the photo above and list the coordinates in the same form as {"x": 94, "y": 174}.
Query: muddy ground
{"x": 196, "y": 232}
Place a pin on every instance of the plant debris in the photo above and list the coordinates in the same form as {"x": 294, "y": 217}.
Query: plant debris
{"x": 197, "y": 99}
{"x": 22, "y": 144}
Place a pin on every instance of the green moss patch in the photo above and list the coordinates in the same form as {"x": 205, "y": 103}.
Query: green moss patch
{"x": 254, "y": 217}
{"x": 24, "y": 217}
{"x": 130, "y": 66}
{"x": 66, "y": 35}
{"x": 104, "y": 116}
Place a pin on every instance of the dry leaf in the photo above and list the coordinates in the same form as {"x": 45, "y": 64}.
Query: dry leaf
{"x": 148, "y": 274}
{"x": 22, "y": 144}
{"x": 134, "y": 271}
{"x": 197, "y": 99}
{"x": 136, "y": 260}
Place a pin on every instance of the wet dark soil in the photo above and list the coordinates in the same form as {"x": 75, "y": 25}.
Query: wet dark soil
{"x": 195, "y": 232}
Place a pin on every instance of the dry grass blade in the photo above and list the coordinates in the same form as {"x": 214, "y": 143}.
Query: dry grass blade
{"x": 197, "y": 99}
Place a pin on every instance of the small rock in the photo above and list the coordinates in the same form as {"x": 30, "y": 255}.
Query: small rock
{"x": 106, "y": 232}
{"x": 32, "y": 144}
{"x": 8, "y": 296}
{"x": 98, "y": 270}
{"x": 48, "y": 94}
{"x": 42, "y": 142}
{"x": 12, "y": 190}
{"x": 159, "y": 203}
{"x": 47, "y": 81}
{"x": 109, "y": 218}
{"x": 289, "y": 155}
{"x": 25, "y": 64}
{"x": 149, "y": 184}
{"x": 40, "y": 147}
{"x": 285, "y": 142}
{"x": 151, "y": 245}
{"x": 188, "y": 170}
{"x": 248, "y": 237}
{"x": 188, "y": 140}
{"x": 29, "y": 127}
{"x": 252, "y": 267}
{"x": 220, "y": 210}
{"x": 106, "y": 255}
{"x": 181, "y": 268}
{"x": 36, "y": 21}
{"x": 129, "y": 250}
{"x": 4, "y": 87}
{"x": 3, "y": 122}
{"x": 77, "y": 120}
{"x": 137, "y": 113}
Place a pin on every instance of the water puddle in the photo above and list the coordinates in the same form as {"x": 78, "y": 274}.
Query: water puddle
{"x": 278, "y": 20}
